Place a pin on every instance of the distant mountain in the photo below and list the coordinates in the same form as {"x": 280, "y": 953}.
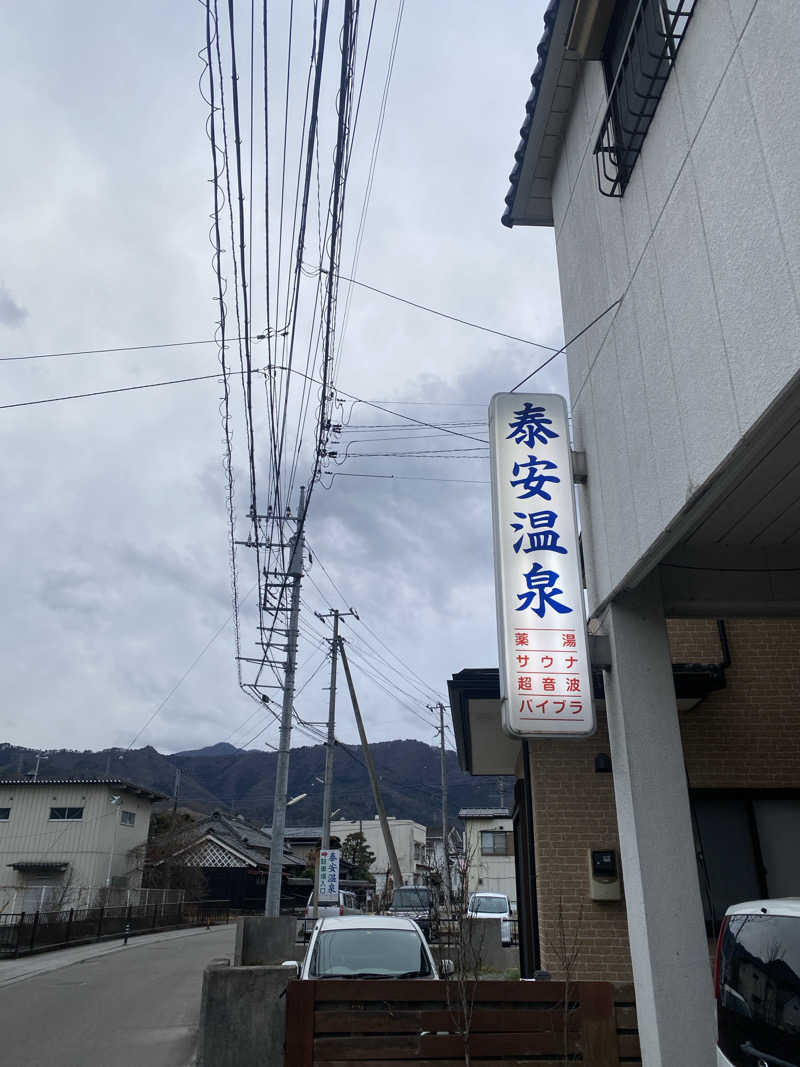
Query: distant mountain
{"x": 221, "y": 777}
{"x": 222, "y": 748}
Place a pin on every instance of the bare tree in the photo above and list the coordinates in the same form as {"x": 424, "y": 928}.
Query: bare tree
{"x": 163, "y": 859}
{"x": 466, "y": 940}
{"x": 567, "y": 952}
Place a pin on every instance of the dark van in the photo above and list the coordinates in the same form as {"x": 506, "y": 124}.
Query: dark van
{"x": 757, "y": 985}
{"x": 417, "y": 902}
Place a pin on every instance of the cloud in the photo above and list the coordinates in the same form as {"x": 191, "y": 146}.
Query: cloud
{"x": 11, "y": 313}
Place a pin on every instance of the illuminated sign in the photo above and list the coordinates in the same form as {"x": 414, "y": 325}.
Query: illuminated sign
{"x": 545, "y": 674}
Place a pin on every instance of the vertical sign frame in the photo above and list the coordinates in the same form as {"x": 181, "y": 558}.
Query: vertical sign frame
{"x": 545, "y": 673}
{"x": 328, "y": 883}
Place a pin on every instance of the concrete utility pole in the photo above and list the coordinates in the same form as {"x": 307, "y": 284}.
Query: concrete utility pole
{"x": 448, "y": 880}
{"x": 272, "y": 904}
{"x": 376, "y": 792}
{"x": 328, "y": 785}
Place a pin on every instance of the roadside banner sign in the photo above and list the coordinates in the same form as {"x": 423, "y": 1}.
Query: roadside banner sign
{"x": 329, "y": 875}
{"x": 545, "y": 674}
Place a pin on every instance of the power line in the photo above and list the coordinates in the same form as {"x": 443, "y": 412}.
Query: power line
{"x": 564, "y": 347}
{"x": 123, "y": 348}
{"x": 452, "y": 318}
{"x": 123, "y": 389}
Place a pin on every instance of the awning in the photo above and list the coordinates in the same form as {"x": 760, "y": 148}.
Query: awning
{"x": 38, "y": 865}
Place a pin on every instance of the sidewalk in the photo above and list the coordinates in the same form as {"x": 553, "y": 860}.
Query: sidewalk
{"x": 12, "y": 971}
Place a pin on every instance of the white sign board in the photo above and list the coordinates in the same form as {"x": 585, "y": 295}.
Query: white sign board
{"x": 545, "y": 675}
{"x": 329, "y": 876}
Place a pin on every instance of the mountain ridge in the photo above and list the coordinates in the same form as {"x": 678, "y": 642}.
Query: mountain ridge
{"x": 242, "y": 781}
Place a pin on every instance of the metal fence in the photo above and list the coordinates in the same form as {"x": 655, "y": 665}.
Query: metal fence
{"x": 445, "y": 932}
{"x": 60, "y": 897}
{"x": 22, "y": 933}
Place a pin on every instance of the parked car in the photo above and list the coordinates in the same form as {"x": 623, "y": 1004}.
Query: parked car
{"x": 492, "y": 906}
{"x": 369, "y": 946}
{"x": 757, "y": 985}
{"x": 419, "y": 903}
{"x": 348, "y": 905}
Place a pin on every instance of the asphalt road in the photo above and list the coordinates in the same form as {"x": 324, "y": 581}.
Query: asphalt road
{"x": 128, "y": 1008}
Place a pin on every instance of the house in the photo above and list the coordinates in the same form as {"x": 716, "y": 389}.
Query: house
{"x": 234, "y": 858}
{"x": 66, "y": 841}
{"x": 489, "y": 851}
{"x": 660, "y": 142}
{"x": 408, "y": 838}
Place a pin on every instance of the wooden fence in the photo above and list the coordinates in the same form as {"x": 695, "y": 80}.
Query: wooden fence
{"x": 359, "y": 1023}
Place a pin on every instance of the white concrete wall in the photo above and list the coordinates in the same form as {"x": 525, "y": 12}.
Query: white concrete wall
{"x": 705, "y": 249}
{"x": 405, "y": 834}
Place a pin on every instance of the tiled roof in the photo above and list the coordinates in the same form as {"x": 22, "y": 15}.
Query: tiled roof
{"x": 530, "y": 106}
{"x": 118, "y": 783}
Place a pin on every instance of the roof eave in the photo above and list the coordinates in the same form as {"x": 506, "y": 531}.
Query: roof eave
{"x": 529, "y": 197}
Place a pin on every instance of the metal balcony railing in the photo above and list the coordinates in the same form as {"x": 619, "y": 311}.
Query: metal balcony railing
{"x": 655, "y": 35}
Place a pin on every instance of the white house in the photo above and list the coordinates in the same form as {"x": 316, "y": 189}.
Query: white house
{"x": 408, "y": 838}
{"x": 63, "y": 839}
{"x": 661, "y": 142}
{"x": 489, "y": 851}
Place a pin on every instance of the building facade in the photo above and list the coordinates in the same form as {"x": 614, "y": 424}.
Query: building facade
{"x": 489, "y": 851}
{"x": 741, "y": 744}
{"x": 408, "y": 838}
{"x": 661, "y": 144}
{"x": 62, "y": 840}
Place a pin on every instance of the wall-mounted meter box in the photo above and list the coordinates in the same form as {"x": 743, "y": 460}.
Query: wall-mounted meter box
{"x": 604, "y": 877}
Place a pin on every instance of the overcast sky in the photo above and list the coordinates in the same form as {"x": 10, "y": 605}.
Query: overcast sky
{"x": 115, "y": 565}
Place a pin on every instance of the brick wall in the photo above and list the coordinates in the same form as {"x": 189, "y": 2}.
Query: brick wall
{"x": 573, "y": 812}
{"x": 746, "y": 735}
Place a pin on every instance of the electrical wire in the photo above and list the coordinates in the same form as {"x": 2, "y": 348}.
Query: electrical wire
{"x": 452, "y": 318}
{"x": 109, "y": 392}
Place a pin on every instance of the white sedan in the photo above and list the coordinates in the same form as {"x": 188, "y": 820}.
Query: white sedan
{"x": 369, "y": 946}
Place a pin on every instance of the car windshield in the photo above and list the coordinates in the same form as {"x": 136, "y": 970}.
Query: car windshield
{"x": 409, "y": 897}
{"x": 369, "y": 953}
{"x": 489, "y": 905}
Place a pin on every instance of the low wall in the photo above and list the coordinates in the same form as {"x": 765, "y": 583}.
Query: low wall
{"x": 242, "y": 1015}
{"x": 261, "y": 940}
{"x": 482, "y": 948}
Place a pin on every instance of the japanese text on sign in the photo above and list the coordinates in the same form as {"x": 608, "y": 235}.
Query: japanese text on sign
{"x": 329, "y": 876}
{"x": 545, "y": 675}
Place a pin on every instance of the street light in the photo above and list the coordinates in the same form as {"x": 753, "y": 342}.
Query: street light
{"x": 296, "y": 800}
{"x": 116, "y": 799}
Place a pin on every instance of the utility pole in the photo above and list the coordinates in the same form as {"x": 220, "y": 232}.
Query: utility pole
{"x": 175, "y": 792}
{"x": 328, "y": 784}
{"x": 376, "y": 793}
{"x": 272, "y": 904}
{"x": 448, "y": 881}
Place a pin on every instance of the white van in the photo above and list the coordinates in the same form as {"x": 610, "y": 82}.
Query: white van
{"x": 348, "y": 905}
{"x": 757, "y": 985}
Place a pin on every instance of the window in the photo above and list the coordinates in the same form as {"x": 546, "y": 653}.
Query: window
{"x": 69, "y": 814}
{"x": 497, "y": 843}
{"x": 758, "y": 1001}
{"x": 5, "y": 814}
{"x": 127, "y": 818}
{"x": 640, "y": 50}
